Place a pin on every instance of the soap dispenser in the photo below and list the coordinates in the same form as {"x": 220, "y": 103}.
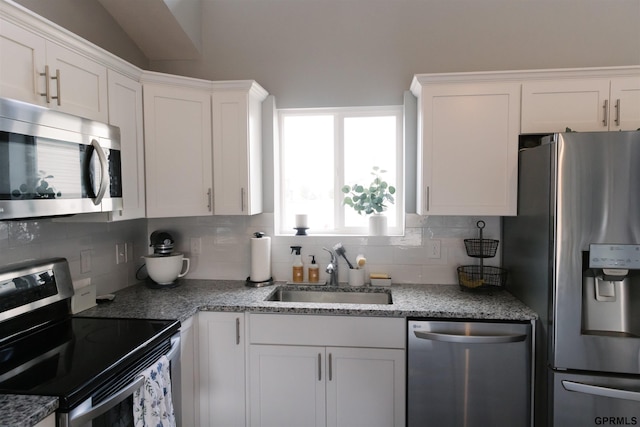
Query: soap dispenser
{"x": 297, "y": 275}
{"x": 314, "y": 271}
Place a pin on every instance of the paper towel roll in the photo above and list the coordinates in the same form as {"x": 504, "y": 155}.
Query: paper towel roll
{"x": 260, "y": 259}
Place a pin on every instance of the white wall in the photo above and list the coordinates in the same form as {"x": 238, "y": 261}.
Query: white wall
{"x": 314, "y": 53}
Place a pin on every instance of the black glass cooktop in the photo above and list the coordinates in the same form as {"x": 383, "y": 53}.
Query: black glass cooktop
{"x": 74, "y": 357}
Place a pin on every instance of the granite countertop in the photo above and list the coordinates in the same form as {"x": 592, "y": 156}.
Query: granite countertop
{"x": 25, "y": 411}
{"x": 191, "y": 296}
{"x": 183, "y": 301}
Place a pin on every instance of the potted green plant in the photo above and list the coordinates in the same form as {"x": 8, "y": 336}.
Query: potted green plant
{"x": 371, "y": 200}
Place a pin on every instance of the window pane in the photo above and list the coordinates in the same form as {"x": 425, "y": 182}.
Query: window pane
{"x": 308, "y": 170}
{"x": 368, "y": 142}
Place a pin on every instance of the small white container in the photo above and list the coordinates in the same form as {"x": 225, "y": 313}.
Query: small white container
{"x": 356, "y": 277}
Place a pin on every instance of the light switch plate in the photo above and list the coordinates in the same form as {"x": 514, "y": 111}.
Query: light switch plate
{"x": 433, "y": 249}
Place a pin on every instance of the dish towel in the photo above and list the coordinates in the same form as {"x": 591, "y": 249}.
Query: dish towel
{"x": 152, "y": 404}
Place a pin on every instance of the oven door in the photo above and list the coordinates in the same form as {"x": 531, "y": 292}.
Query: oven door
{"x": 117, "y": 409}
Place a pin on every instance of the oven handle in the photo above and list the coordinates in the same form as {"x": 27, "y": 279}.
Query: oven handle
{"x": 95, "y": 411}
{"x": 89, "y": 414}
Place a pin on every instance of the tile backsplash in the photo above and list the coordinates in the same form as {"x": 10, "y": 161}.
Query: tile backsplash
{"x": 224, "y": 243}
{"x": 225, "y": 247}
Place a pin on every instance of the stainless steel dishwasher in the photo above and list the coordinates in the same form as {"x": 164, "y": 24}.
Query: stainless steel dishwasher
{"x": 468, "y": 374}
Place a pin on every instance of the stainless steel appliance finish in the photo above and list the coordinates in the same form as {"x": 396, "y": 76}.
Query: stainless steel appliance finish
{"x": 472, "y": 374}
{"x": 573, "y": 253}
{"x": 52, "y": 163}
{"x": 92, "y": 365}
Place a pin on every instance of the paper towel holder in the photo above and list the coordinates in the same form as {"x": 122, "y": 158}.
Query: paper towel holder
{"x": 253, "y": 284}
{"x": 261, "y": 283}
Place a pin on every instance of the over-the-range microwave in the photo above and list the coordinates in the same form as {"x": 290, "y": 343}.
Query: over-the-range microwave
{"x": 54, "y": 164}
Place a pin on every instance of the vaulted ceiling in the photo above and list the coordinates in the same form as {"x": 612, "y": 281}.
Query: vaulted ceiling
{"x": 162, "y": 29}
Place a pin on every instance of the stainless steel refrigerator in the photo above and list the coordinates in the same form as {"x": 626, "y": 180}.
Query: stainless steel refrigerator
{"x": 573, "y": 255}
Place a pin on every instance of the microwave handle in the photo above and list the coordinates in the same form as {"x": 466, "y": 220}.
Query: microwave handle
{"x": 104, "y": 177}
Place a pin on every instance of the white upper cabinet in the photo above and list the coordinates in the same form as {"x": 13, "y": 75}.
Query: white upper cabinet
{"x": 468, "y": 127}
{"x": 39, "y": 71}
{"x": 582, "y": 101}
{"x": 125, "y": 111}
{"x": 237, "y": 148}
{"x": 178, "y": 158}
{"x": 203, "y": 146}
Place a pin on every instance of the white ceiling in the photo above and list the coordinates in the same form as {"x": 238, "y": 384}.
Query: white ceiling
{"x": 162, "y": 29}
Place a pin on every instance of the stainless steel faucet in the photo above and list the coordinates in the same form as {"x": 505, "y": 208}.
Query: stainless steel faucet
{"x": 332, "y": 268}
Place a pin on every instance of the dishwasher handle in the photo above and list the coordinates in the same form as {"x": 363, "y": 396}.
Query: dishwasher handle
{"x": 470, "y": 339}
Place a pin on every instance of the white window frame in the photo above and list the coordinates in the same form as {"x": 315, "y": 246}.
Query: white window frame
{"x": 339, "y": 115}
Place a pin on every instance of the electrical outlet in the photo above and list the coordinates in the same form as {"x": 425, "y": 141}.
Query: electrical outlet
{"x": 85, "y": 261}
{"x": 196, "y": 246}
{"x": 121, "y": 256}
{"x": 433, "y": 249}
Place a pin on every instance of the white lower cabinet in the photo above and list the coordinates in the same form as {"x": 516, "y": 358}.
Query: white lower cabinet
{"x": 346, "y": 371}
{"x": 186, "y": 408}
{"x": 222, "y": 369}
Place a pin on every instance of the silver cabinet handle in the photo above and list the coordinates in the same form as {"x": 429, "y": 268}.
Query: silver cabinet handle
{"x": 237, "y": 331}
{"x": 470, "y": 339}
{"x": 598, "y": 390}
{"x": 427, "y": 197}
{"x": 57, "y": 79}
{"x": 330, "y": 367}
{"x": 47, "y": 92}
{"x": 617, "y": 106}
{"x": 209, "y": 199}
{"x": 242, "y": 199}
{"x": 319, "y": 366}
{"x": 104, "y": 177}
{"x": 605, "y": 107}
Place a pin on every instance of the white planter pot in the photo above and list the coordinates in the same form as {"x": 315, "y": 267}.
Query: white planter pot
{"x": 377, "y": 225}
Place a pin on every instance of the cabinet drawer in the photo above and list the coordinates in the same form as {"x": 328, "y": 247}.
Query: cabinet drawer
{"x": 327, "y": 330}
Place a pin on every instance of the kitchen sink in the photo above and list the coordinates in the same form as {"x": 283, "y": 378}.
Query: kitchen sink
{"x": 333, "y": 295}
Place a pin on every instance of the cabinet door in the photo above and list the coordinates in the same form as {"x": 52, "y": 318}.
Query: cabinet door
{"x": 554, "y": 105}
{"x": 185, "y": 406}
{"x": 222, "y": 369}
{"x": 469, "y": 149}
{"x": 237, "y": 153}
{"x": 625, "y": 104}
{"x": 287, "y": 386}
{"x": 125, "y": 111}
{"x": 365, "y": 387}
{"x": 177, "y": 123}
{"x": 22, "y": 58}
{"x": 82, "y": 84}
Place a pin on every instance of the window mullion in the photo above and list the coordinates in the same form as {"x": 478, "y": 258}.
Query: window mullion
{"x": 339, "y": 170}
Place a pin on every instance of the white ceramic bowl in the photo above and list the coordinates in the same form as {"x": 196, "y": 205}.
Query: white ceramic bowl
{"x": 165, "y": 269}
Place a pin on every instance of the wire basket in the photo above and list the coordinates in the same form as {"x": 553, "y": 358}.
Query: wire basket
{"x": 481, "y": 248}
{"x": 476, "y": 277}
{"x": 479, "y": 277}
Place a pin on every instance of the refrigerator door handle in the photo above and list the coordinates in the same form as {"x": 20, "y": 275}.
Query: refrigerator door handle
{"x": 597, "y": 390}
{"x": 470, "y": 339}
